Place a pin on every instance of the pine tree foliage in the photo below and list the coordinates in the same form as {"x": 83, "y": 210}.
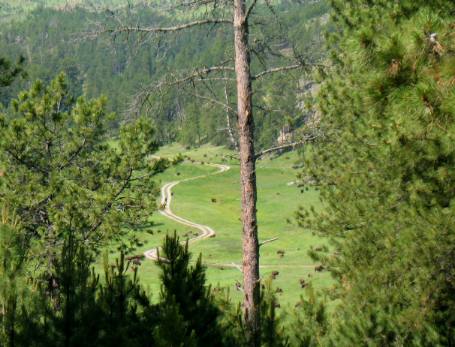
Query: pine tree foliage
{"x": 310, "y": 325}
{"x": 62, "y": 174}
{"x": 273, "y": 333}
{"x": 186, "y": 298}
{"x": 9, "y": 71}
{"x": 386, "y": 172}
{"x": 13, "y": 255}
{"x": 68, "y": 312}
{"x": 128, "y": 316}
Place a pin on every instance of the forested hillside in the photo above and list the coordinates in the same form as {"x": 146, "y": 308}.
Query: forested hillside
{"x": 53, "y": 40}
{"x": 19, "y": 9}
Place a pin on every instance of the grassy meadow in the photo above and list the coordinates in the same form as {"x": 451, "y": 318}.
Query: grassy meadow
{"x": 215, "y": 201}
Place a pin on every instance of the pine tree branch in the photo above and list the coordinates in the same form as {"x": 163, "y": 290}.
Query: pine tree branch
{"x": 228, "y": 110}
{"x": 155, "y": 30}
{"x": 28, "y": 164}
{"x": 114, "y": 199}
{"x": 267, "y": 241}
{"x": 197, "y": 4}
{"x": 198, "y": 75}
{"x": 285, "y": 146}
{"x": 238, "y": 267}
{"x": 74, "y": 155}
{"x": 250, "y": 9}
{"x": 277, "y": 69}
{"x": 213, "y": 101}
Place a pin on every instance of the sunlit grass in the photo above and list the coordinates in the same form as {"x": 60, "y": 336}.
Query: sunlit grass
{"x": 215, "y": 201}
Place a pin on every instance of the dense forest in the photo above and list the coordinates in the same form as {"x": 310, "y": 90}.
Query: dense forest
{"x": 51, "y": 40}
{"x": 365, "y": 89}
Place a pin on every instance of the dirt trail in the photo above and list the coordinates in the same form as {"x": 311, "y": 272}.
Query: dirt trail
{"x": 205, "y": 231}
{"x": 166, "y": 199}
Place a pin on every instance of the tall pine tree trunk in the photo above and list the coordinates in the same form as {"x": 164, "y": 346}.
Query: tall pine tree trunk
{"x": 251, "y": 283}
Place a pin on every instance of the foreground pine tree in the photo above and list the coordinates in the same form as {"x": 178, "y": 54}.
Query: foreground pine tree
{"x": 386, "y": 171}
{"x": 185, "y": 300}
{"x": 61, "y": 174}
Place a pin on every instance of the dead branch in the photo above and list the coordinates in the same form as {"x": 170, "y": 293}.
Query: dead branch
{"x": 196, "y": 4}
{"x": 228, "y": 110}
{"x": 286, "y": 146}
{"x": 213, "y": 101}
{"x": 267, "y": 241}
{"x": 237, "y": 267}
{"x": 250, "y": 9}
{"x": 138, "y": 29}
{"x": 196, "y": 75}
{"x": 277, "y": 69}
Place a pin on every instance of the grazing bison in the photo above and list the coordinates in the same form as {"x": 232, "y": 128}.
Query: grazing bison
{"x": 303, "y": 284}
{"x": 135, "y": 259}
{"x": 280, "y": 252}
{"x": 163, "y": 204}
{"x": 275, "y": 274}
{"x": 319, "y": 268}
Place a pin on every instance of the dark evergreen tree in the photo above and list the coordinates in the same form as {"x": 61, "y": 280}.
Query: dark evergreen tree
{"x": 386, "y": 172}
{"x": 13, "y": 256}
{"x": 62, "y": 175}
{"x": 9, "y": 72}
{"x": 127, "y": 317}
{"x": 71, "y": 314}
{"x": 186, "y": 298}
{"x": 310, "y": 324}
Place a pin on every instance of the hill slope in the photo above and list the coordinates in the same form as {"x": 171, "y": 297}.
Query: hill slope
{"x": 53, "y": 40}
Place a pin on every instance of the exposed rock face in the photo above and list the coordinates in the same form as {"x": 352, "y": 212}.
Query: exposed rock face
{"x": 286, "y": 136}
{"x": 311, "y": 115}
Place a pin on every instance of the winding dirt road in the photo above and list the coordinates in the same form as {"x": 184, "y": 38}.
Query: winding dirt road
{"x": 166, "y": 199}
{"x": 205, "y": 231}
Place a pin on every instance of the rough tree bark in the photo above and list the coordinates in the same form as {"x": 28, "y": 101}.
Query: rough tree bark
{"x": 251, "y": 279}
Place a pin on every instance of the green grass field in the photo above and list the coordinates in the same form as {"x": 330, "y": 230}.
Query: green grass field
{"x": 279, "y": 199}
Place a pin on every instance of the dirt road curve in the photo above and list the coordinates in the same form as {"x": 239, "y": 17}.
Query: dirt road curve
{"x": 166, "y": 199}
